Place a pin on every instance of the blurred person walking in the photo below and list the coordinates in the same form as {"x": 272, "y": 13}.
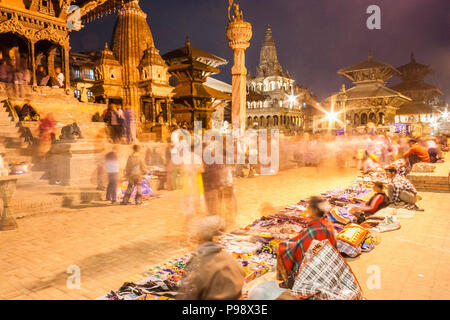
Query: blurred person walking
{"x": 112, "y": 170}
{"x": 211, "y": 273}
{"x": 130, "y": 125}
{"x": 113, "y": 120}
{"x": 134, "y": 172}
{"x": 47, "y": 131}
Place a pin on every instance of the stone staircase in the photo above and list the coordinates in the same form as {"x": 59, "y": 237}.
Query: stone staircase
{"x": 12, "y": 138}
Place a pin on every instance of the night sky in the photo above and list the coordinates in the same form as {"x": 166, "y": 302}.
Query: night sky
{"x": 314, "y": 38}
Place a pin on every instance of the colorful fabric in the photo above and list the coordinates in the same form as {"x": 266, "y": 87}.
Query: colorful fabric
{"x": 291, "y": 252}
{"x": 146, "y": 189}
{"x": 353, "y": 234}
{"x": 325, "y": 275}
{"x": 348, "y": 249}
{"x": 367, "y": 246}
{"x": 341, "y": 215}
{"x": 400, "y": 184}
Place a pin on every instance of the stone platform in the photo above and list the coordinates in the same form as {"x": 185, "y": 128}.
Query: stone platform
{"x": 439, "y": 180}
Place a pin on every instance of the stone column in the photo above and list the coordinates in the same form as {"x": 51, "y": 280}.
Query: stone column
{"x": 153, "y": 111}
{"x": 239, "y": 34}
{"x": 32, "y": 62}
{"x": 169, "y": 111}
{"x": 66, "y": 67}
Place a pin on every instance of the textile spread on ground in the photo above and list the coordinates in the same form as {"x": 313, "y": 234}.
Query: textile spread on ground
{"x": 254, "y": 246}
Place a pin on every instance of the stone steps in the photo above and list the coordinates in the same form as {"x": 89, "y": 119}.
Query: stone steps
{"x": 11, "y": 137}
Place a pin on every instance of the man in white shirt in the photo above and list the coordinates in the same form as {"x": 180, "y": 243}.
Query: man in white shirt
{"x": 59, "y": 78}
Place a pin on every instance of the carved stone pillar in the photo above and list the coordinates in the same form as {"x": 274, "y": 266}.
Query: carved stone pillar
{"x": 169, "y": 111}
{"x": 66, "y": 67}
{"x": 239, "y": 33}
{"x": 31, "y": 50}
{"x": 51, "y": 61}
{"x": 153, "y": 110}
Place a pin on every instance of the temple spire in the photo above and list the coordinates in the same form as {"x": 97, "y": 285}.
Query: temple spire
{"x": 268, "y": 58}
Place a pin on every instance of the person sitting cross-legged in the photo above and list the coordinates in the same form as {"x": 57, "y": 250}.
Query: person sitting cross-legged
{"x": 291, "y": 252}
{"x": 401, "y": 189}
{"x": 415, "y": 154}
{"x": 378, "y": 201}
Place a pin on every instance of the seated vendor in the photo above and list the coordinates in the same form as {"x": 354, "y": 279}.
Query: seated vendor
{"x": 290, "y": 253}
{"x": 27, "y": 112}
{"x": 211, "y": 273}
{"x": 379, "y": 201}
{"x": 401, "y": 189}
{"x": 416, "y": 153}
{"x": 371, "y": 164}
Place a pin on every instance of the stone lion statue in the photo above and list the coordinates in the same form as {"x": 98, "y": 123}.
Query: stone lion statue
{"x": 71, "y": 132}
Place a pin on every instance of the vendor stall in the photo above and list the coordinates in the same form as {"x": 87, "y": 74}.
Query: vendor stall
{"x": 255, "y": 245}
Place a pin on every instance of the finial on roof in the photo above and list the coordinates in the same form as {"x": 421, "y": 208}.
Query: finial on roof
{"x": 188, "y": 41}
{"x": 370, "y": 55}
{"x": 413, "y": 59}
{"x": 106, "y": 45}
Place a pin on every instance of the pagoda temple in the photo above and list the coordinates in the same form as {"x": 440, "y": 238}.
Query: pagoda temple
{"x": 193, "y": 100}
{"x": 369, "y": 101}
{"x": 34, "y": 45}
{"x": 423, "y": 95}
{"x": 273, "y": 99}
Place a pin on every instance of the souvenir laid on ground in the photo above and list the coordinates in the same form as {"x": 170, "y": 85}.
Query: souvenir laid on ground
{"x": 390, "y": 223}
{"x": 17, "y": 168}
{"x": 147, "y": 191}
{"x": 254, "y": 247}
{"x": 341, "y": 215}
{"x": 353, "y": 234}
{"x": 423, "y": 167}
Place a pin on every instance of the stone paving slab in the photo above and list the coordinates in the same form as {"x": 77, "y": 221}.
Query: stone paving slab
{"x": 114, "y": 244}
{"x": 439, "y": 180}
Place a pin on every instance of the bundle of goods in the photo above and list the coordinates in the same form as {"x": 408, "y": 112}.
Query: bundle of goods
{"x": 163, "y": 283}
{"x": 147, "y": 191}
{"x": 17, "y": 168}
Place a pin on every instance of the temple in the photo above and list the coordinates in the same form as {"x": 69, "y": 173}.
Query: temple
{"x": 193, "y": 99}
{"x": 369, "y": 100}
{"x": 130, "y": 73}
{"x": 274, "y": 100}
{"x": 424, "y": 96}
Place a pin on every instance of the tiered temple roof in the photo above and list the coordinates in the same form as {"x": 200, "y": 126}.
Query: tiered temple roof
{"x": 191, "y": 68}
{"x": 414, "y": 86}
{"x": 268, "y": 58}
{"x": 369, "y": 70}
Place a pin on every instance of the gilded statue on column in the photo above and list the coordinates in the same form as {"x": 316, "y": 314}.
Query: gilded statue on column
{"x": 238, "y": 14}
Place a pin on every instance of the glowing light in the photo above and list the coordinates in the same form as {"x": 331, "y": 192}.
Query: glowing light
{"x": 331, "y": 116}
{"x": 291, "y": 99}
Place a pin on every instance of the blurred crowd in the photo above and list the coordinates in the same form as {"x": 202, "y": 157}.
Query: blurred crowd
{"x": 367, "y": 152}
